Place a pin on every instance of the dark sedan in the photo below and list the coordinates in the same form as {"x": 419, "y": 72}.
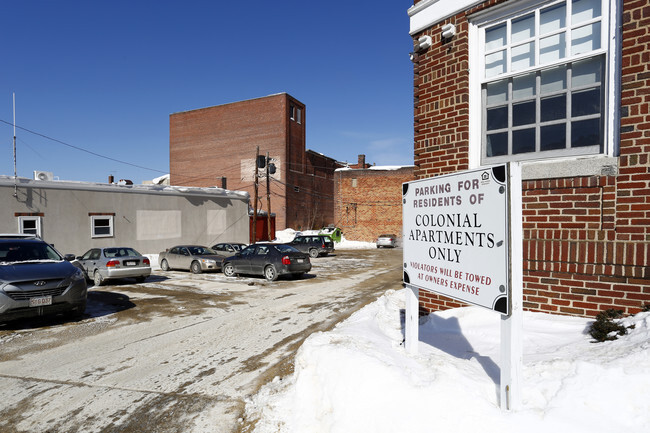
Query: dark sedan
{"x": 228, "y": 247}
{"x": 268, "y": 260}
{"x": 35, "y": 280}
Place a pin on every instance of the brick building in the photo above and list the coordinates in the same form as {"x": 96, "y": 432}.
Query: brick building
{"x": 564, "y": 87}
{"x": 369, "y": 199}
{"x": 217, "y": 146}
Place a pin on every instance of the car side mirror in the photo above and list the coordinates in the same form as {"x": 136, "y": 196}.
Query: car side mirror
{"x": 70, "y": 257}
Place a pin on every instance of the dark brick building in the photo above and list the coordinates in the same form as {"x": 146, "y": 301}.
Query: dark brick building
{"x": 369, "y": 199}
{"x": 211, "y": 144}
{"x": 563, "y": 86}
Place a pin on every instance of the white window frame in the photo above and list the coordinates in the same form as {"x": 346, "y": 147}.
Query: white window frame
{"x": 93, "y": 226}
{"x": 610, "y": 47}
{"x": 21, "y": 224}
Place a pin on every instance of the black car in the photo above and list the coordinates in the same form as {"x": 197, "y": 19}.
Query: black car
{"x": 35, "y": 280}
{"x": 269, "y": 260}
{"x": 314, "y": 245}
{"x": 228, "y": 247}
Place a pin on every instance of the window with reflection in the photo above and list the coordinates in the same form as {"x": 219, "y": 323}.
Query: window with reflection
{"x": 543, "y": 82}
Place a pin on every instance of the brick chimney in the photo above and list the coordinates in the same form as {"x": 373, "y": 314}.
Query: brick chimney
{"x": 362, "y": 161}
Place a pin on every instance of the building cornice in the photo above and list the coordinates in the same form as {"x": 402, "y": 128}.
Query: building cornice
{"x": 429, "y": 12}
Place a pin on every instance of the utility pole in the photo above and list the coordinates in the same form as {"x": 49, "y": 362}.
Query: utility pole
{"x": 268, "y": 197}
{"x": 257, "y": 154}
{"x": 15, "y": 173}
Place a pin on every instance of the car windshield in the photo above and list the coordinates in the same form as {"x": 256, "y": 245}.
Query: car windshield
{"x": 286, "y": 248}
{"x": 237, "y": 247}
{"x": 200, "y": 250}
{"x": 120, "y": 252}
{"x": 12, "y": 252}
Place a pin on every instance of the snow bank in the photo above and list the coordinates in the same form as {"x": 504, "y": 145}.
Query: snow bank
{"x": 359, "y": 377}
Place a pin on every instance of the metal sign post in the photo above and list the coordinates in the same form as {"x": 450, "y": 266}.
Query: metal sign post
{"x": 463, "y": 240}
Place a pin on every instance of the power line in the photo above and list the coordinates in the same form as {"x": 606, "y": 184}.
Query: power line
{"x": 84, "y": 150}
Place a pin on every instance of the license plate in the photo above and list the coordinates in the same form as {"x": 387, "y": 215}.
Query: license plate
{"x": 130, "y": 263}
{"x": 300, "y": 260}
{"x": 37, "y": 302}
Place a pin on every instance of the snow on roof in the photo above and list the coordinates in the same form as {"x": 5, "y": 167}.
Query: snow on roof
{"x": 377, "y": 167}
{"x": 108, "y": 187}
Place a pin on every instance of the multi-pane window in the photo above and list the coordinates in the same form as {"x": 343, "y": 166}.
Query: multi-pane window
{"x": 543, "y": 82}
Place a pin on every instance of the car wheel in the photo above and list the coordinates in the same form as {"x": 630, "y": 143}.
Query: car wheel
{"x": 98, "y": 280}
{"x": 195, "y": 267}
{"x": 270, "y": 273}
{"x": 164, "y": 265}
{"x": 140, "y": 279}
{"x": 228, "y": 270}
{"x": 313, "y": 253}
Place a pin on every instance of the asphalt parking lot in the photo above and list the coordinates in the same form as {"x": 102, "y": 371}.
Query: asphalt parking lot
{"x": 179, "y": 353}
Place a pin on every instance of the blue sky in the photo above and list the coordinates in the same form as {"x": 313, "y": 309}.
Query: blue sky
{"x": 96, "y": 81}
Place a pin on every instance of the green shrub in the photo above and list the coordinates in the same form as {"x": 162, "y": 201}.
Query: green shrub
{"x": 605, "y": 328}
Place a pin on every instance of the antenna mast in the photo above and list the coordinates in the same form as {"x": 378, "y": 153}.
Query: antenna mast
{"x": 15, "y": 175}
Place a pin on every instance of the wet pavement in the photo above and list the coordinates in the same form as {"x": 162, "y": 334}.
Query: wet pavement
{"x": 179, "y": 353}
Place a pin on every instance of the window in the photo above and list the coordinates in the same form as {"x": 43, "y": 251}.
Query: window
{"x": 101, "y": 226}
{"x": 295, "y": 113}
{"x": 91, "y": 255}
{"x": 543, "y": 87}
{"x": 354, "y": 182}
{"x": 29, "y": 225}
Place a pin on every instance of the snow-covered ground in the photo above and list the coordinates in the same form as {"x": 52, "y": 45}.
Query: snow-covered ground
{"x": 359, "y": 378}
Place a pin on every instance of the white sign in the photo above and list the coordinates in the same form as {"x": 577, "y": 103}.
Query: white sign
{"x": 456, "y": 236}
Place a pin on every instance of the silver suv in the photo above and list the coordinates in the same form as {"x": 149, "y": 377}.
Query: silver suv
{"x": 35, "y": 280}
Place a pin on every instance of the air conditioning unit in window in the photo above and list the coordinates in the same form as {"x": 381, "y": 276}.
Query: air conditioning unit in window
{"x": 43, "y": 175}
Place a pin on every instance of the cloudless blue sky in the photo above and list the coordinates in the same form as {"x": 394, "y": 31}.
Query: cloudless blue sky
{"x": 102, "y": 77}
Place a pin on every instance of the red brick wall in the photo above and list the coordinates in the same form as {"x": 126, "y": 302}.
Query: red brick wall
{"x": 311, "y": 195}
{"x": 585, "y": 238}
{"x": 221, "y": 141}
{"x": 374, "y": 206}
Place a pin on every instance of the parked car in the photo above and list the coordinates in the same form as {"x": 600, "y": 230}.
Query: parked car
{"x": 195, "y": 258}
{"x": 314, "y": 245}
{"x": 228, "y": 247}
{"x": 389, "y": 240}
{"x": 35, "y": 280}
{"x": 269, "y": 260}
{"x": 101, "y": 264}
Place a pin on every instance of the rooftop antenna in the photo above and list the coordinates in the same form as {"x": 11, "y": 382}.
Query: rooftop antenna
{"x": 15, "y": 175}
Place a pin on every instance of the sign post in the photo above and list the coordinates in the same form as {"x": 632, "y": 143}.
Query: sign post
{"x": 462, "y": 239}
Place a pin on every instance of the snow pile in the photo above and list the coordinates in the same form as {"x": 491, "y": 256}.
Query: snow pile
{"x": 359, "y": 377}
{"x": 287, "y": 235}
